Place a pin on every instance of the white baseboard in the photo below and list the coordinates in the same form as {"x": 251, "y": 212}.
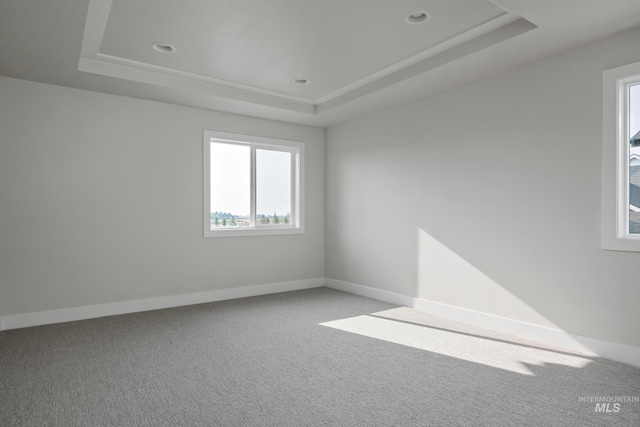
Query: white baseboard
{"x": 555, "y": 337}
{"x": 365, "y": 291}
{"x": 89, "y": 312}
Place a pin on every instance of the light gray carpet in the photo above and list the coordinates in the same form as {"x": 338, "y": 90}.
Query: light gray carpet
{"x": 317, "y": 357}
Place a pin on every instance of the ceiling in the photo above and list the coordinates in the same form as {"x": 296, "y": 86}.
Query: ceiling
{"x": 243, "y": 56}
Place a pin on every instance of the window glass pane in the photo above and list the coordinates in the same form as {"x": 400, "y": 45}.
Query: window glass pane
{"x": 230, "y": 185}
{"x": 634, "y": 159}
{"x": 273, "y": 187}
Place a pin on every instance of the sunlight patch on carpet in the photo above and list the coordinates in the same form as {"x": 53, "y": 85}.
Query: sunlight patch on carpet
{"x": 391, "y": 326}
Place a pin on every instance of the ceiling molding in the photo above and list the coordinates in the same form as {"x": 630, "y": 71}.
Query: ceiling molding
{"x": 193, "y": 84}
{"x": 484, "y": 41}
{"x": 501, "y": 28}
{"x": 472, "y": 33}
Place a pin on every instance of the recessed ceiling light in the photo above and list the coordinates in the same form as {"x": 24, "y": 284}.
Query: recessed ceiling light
{"x": 417, "y": 17}
{"x": 298, "y": 81}
{"x": 163, "y": 47}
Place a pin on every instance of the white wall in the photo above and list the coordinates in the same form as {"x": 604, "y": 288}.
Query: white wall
{"x": 487, "y": 197}
{"x": 101, "y": 201}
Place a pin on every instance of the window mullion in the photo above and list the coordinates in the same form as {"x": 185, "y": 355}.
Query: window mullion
{"x": 253, "y": 187}
{"x": 293, "y": 186}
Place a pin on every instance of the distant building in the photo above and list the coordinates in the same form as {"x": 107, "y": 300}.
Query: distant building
{"x": 634, "y": 184}
{"x": 634, "y": 154}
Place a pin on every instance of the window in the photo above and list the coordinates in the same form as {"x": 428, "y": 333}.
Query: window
{"x": 252, "y": 185}
{"x": 621, "y": 159}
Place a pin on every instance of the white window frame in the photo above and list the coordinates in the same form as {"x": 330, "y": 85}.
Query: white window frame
{"x": 615, "y": 159}
{"x": 296, "y": 148}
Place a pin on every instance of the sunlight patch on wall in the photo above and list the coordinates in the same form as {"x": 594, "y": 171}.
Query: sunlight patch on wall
{"x": 446, "y": 277}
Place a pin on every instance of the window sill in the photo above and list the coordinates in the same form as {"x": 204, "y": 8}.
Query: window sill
{"x": 248, "y": 232}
